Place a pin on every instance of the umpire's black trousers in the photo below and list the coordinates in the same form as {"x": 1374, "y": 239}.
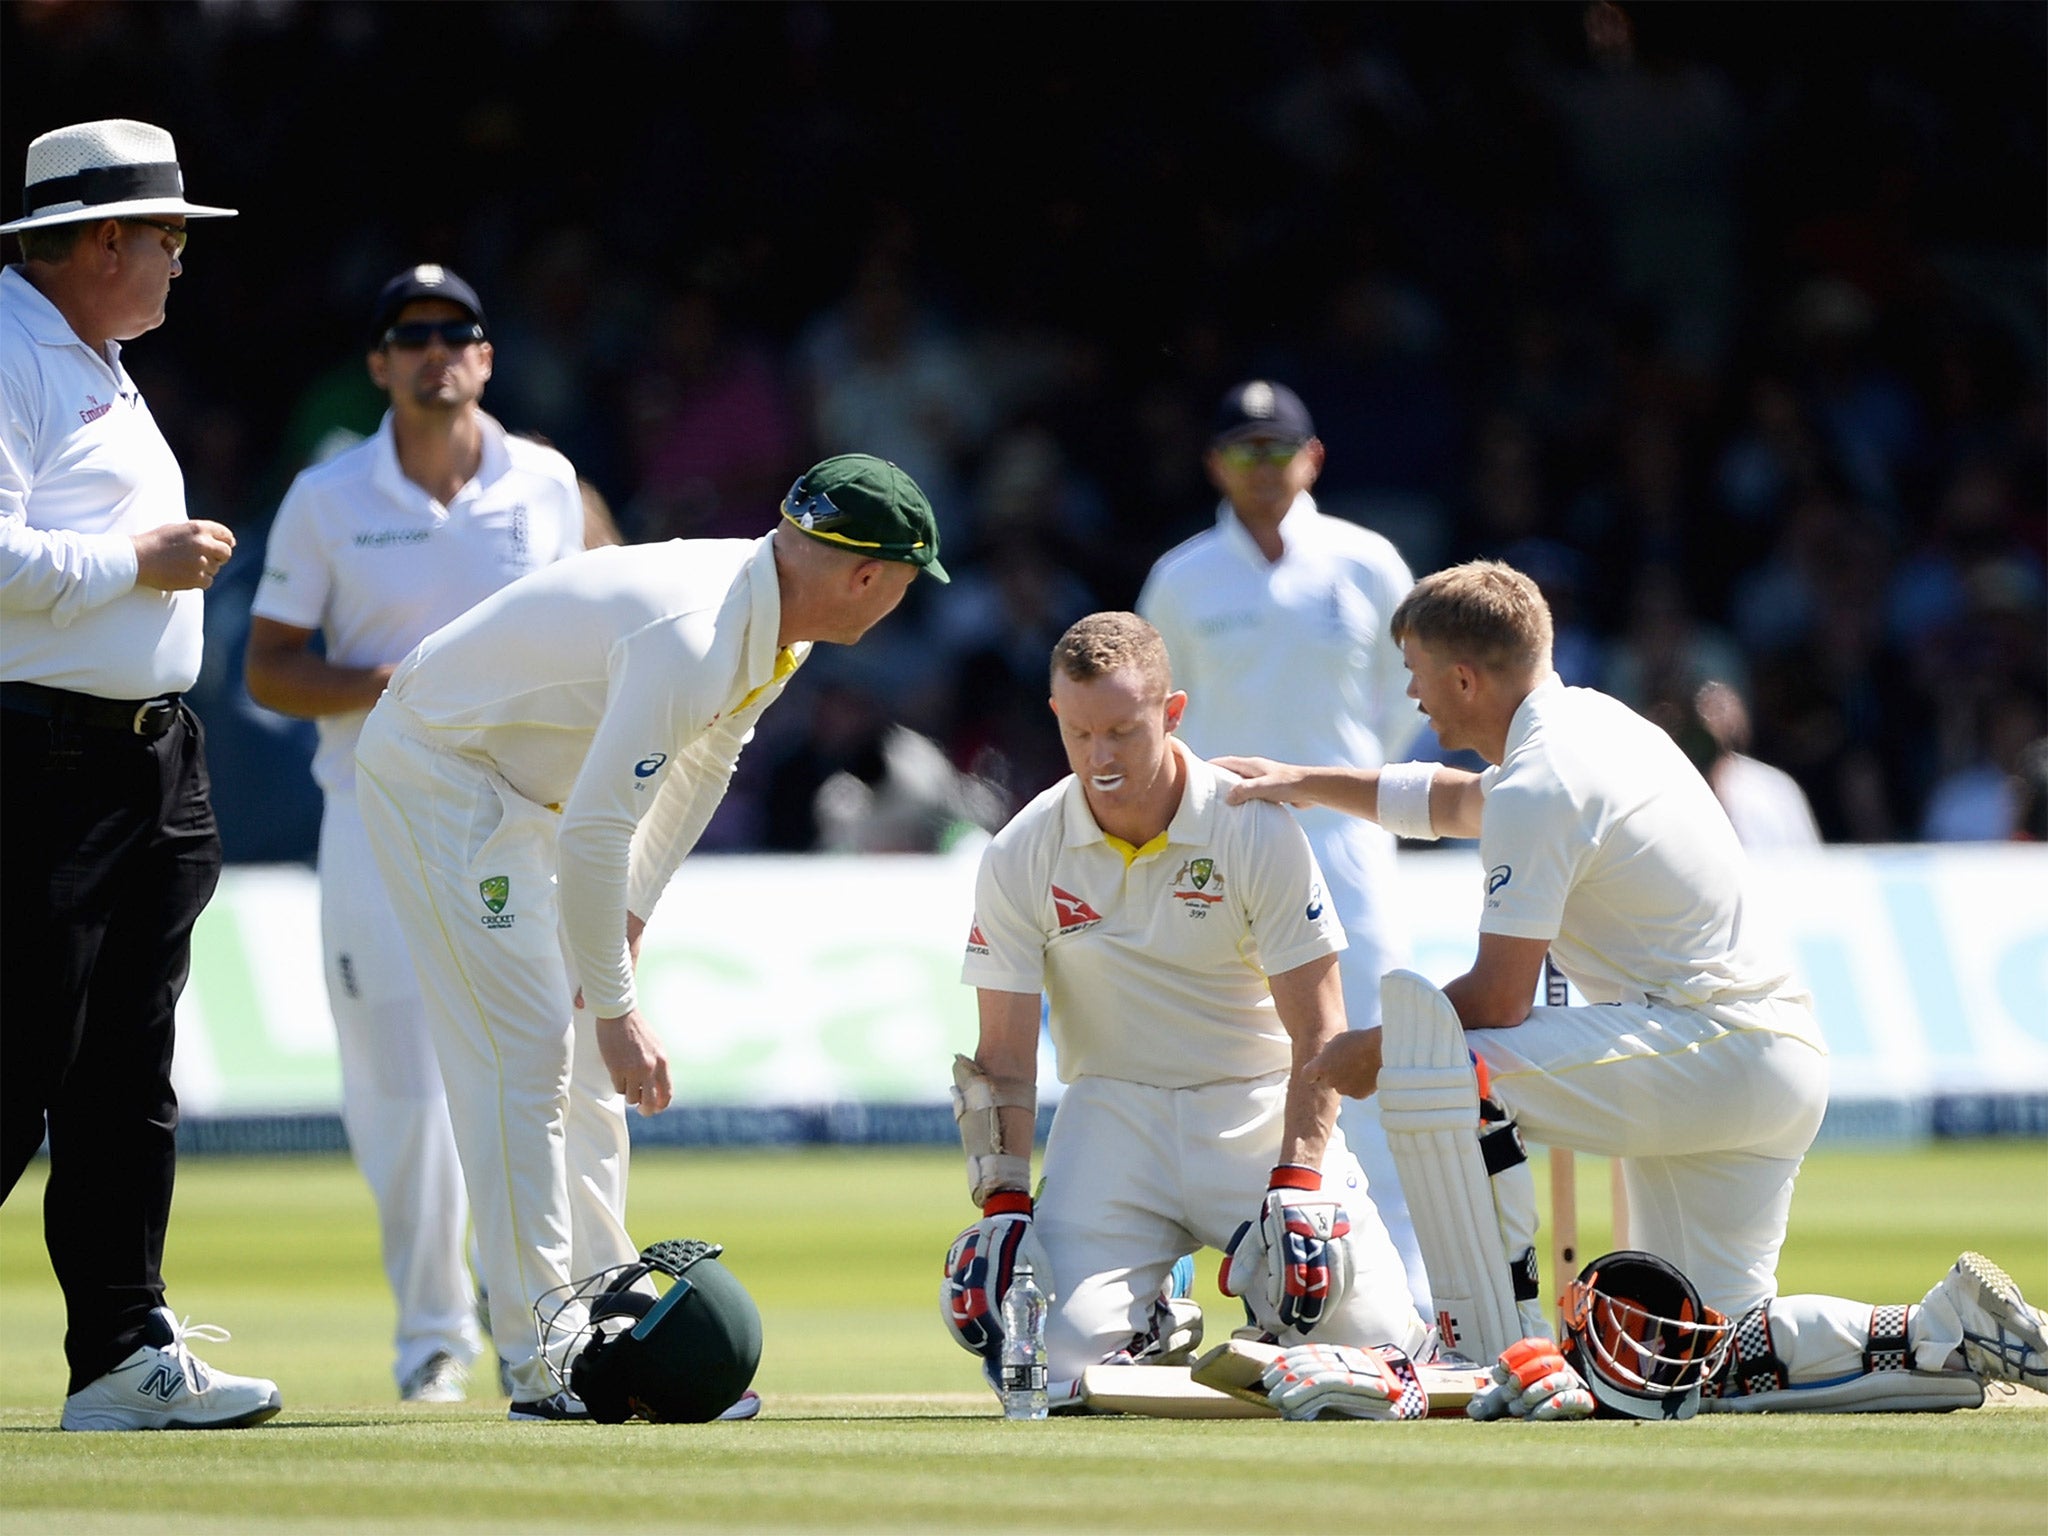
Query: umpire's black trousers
{"x": 108, "y": 851}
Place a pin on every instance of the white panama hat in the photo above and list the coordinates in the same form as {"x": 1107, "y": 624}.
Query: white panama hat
{"x": 113, "y": 169}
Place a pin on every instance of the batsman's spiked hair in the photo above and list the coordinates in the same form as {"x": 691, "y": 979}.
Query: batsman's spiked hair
{"x": 1104, "y": 643}
{"x": 1484, "y": 612}
{"x": 672, "y": 1338}
{"x": 1638, "y": 1332}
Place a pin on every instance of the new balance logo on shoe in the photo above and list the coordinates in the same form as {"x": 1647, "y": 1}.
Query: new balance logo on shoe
{"x": 163, "y": 1385}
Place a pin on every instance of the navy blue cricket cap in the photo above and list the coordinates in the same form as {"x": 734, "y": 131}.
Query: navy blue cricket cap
{"x": 428, "y": 280}
{"x": 1261, "y": 408}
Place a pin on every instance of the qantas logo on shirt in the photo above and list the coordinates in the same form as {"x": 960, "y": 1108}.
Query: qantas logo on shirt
{"x": 976, "y": 944}
{"x": 1074, "y": 913}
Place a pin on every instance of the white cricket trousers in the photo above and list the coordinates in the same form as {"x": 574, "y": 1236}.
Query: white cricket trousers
{"x": 470, "y": 867}
{"x": 391, "y": 1099}
{"x": 1136, "y": 1176}
{"x": 1362, "y": 881}
{"x": 1710, "y": 1114}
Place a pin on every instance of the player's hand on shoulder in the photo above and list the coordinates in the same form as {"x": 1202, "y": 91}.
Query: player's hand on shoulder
{"x": 1531, "y": 1380}
{"x": 1261, "y": 778}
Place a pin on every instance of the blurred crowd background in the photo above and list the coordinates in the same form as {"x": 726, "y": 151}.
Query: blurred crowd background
{"x": 1726, "y": 322}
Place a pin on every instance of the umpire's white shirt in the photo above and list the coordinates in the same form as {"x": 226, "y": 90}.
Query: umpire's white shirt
{"x": 1599, "y": 836}
{"x": 1155, "y": 959}
{"x": 618, "y": 686}
{"x": 83, "y": 469}
{"x": 1288, "y": 658}
{"x": 376, "y": 563}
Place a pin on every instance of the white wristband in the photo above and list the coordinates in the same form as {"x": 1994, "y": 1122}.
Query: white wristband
{"x": 1404, "y": 799}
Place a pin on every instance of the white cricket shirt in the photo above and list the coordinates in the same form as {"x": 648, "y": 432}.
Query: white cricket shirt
{"x": 620, "y": 686}
{"x": 375, "y": 563}
{"x": 1291, "y": 658}
{"x": 1155, "y": 959}
{"x": 1598, "y": 835}
{"x": 83, "y": 469}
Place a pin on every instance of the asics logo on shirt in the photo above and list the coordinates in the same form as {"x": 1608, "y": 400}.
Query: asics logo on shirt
{"x": 1498, "y": 876}
{"x": 650, "y": 765}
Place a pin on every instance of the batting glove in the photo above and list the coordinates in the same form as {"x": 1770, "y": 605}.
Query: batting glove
{"x": 979, "y": 1267}
{"x": 1531, "y": 1380}
{"x": 1335, "y": 1381}
{"x": 1291, "y": 1266}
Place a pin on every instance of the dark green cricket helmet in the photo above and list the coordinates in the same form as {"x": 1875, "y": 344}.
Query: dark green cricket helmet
{"x": 682, "y": 1353}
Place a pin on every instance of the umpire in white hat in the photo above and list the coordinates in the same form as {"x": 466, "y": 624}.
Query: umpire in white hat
{"x": 107, "y": 818}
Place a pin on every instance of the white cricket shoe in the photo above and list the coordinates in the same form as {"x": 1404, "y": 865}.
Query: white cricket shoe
{"x": 440, "y": 1378}
{"x": 163, "y": 1385}
{"x": 2004, "y": 1339}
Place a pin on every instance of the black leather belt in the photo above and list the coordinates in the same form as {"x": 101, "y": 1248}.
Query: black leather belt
{"x": 147, "y": 718}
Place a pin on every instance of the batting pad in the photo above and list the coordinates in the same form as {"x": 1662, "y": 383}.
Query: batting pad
{"x": 1467, "y": 1223}
{"x": 1872, "y": 1392}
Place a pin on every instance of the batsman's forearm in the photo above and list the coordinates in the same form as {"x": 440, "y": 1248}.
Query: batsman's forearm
{"x": 1310, "y": 1117}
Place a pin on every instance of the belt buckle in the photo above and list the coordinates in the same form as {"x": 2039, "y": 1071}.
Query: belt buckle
{"x": 152, "y": 717}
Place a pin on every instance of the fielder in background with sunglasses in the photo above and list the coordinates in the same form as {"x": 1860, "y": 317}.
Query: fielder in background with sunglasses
{"x": 1276, "y": 619}
{"x": 374, "y": 550}
{"x": 533, "y": 775}
{"x": 112, "y": 850}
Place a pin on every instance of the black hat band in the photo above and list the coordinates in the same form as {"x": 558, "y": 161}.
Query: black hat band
{"x": 99, "y": 185}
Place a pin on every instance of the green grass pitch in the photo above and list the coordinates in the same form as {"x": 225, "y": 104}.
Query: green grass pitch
{"x": 875, "y": 1421}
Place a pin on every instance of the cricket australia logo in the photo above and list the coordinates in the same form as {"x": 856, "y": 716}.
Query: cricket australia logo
{"x": 1198, "y": 887}
{"x": 496, "y": 890}
{"x": 1074, "y": 913}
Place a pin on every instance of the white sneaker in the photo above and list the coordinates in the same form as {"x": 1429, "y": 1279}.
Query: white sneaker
{"x": 563, "y": 1407}
{"x": 440, "y": 1378}
{"x": 2004, "y": 1339}
{"x": 163, "y": 1385}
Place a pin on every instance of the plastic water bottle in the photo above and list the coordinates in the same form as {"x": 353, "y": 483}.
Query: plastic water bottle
{"x": 1023, "y": 1371}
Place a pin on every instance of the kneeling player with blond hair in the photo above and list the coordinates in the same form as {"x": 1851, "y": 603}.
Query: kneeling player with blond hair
{"x": 1698, "y": 1062}
{"x": 1190, "y": 958}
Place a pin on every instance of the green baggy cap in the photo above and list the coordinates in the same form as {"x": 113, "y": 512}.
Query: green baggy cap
{"x": 867, "y": 505}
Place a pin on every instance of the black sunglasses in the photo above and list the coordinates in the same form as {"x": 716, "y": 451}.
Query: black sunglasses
{"x": 454, "y": 334}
